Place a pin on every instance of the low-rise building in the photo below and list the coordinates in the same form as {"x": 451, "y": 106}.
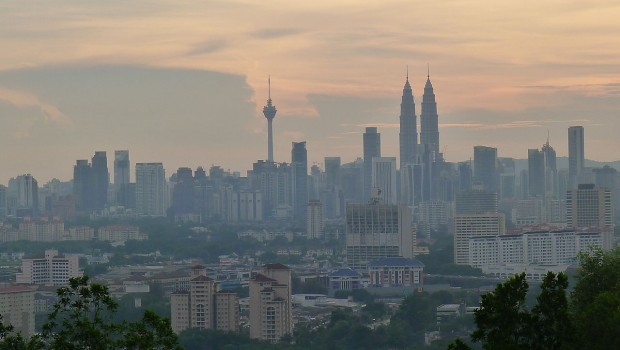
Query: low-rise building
{"x": 120, "y": 233}
{"x": 398, "y": 271}
{"x": 345, "y": 279}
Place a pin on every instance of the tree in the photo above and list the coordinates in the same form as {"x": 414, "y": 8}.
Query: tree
{"x": 82, "y": 318}
{"x": 502, "y": 322}
{"x": 595, "y": 301}
{"x": 552, "y": 324}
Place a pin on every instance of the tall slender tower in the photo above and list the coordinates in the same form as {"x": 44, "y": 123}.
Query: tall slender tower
{"x": 429, "y": 120}
{"x": 575, "y": 155}
{"x": 372, "y": 148}
{"x": 408, "y": 126}
{"x": 270, "y": 112}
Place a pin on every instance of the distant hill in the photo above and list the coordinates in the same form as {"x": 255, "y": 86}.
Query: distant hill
{"x": 562, "y": 163}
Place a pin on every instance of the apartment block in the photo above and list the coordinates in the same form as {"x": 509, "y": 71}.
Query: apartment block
{"x": 270, "y": 303}
{"x": 50, "y": 268}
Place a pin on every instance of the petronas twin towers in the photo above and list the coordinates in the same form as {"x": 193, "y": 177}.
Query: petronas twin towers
{"x": 410, "y": 151}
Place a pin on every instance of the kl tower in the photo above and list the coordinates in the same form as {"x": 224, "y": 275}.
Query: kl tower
{"x": 270, "y": 112}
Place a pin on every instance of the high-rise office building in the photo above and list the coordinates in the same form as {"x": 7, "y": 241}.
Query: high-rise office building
{"x": 315, "y": 221}
{"x": 476, "y": 202}
{"x": 408, "y": 135}
{"x": 101, "y": 180}
{"x": 150, "y": 189}
{"x": 122, "y": 168}
{"x": 576, "y": 154}
{"x": 82, "y": 185}
{"x": 485, "y": 167}
{"x": 384, "y": 178}
{"x": 429, "y": 120}
{"x": 299, "y": 168}
{"x": 271, "y": 315}
{"x": 274, "y": 181}
{"x": 4, "y": 209}
{"x": 183, "y": 192}
{"x": 590, "y": 206}
{"x": 333, "y": 177}
{"x": 536, "y": 175}
{"x": 377, "y": 230}
{"x": 27, "y": 196}
{"x": 270, "y": 112}
{"x": 551, "y": 170}
{"x": 372, "y": 149}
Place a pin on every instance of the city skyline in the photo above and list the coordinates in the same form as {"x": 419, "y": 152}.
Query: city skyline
{"x": 184, "y": 84}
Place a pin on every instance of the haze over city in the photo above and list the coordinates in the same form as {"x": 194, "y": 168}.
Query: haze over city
{"x": 184, "y": 83}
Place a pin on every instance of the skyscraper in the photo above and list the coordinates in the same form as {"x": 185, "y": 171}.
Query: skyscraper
{"x": 101, "y": 180}
{"x": 82, "y": 185}
{"x": 299, "y": 168}
{"x": 270, "y": 112}
{"x": 551, "y": 170}
{"x": 150, "y": 189}
{"x": 27, "y": 196}
{"x": 121, "y": 176}
{"x": 408, "y": 135}
{"x": 485, "y": 167}
{"x": 372, "y": 148}
{"x": 575, "y": 154}
{"x": 536, "y": 173}
{"x": 429, "y": 120}
{"x": 384, "y": 178}
{"x": 315, "y": 221}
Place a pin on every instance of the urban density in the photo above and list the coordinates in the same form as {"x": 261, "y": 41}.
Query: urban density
{"x": 333, "y": 227}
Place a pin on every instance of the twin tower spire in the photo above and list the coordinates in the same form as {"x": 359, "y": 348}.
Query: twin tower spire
{"x": 410, "y": 150}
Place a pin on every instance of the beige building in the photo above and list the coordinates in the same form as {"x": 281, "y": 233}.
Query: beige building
{"x": 314, "y": 220}
{"x": 49, "y": 268}
{"x": 474, "y": 225}
{"x": 119, "y": 233}
{"x": 271, "y": 315}
{"x": 590, "y": 206}
{"x": 42, "y": 230}
{"x": 226, "y": 311}
{"x": 17, "y": 308}
{"x": 203, "y": 307}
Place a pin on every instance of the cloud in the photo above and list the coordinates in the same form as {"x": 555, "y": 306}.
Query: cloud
{"x": 23, "y": 99}
{"x": 208, "y": 47}
{"x": 274, "y": 33}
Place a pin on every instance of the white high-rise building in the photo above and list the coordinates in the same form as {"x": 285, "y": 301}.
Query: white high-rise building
{"x": 384, "y": 178}
{"x": 539, "y": 248}
{"x": 49, "y": 268}
{"x": 151, "y": 189}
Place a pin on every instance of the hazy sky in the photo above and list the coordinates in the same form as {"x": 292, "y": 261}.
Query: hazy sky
{"x": 184, "y": 82}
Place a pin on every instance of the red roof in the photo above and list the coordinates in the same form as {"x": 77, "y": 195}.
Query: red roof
{"x": 16, "y": 289}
